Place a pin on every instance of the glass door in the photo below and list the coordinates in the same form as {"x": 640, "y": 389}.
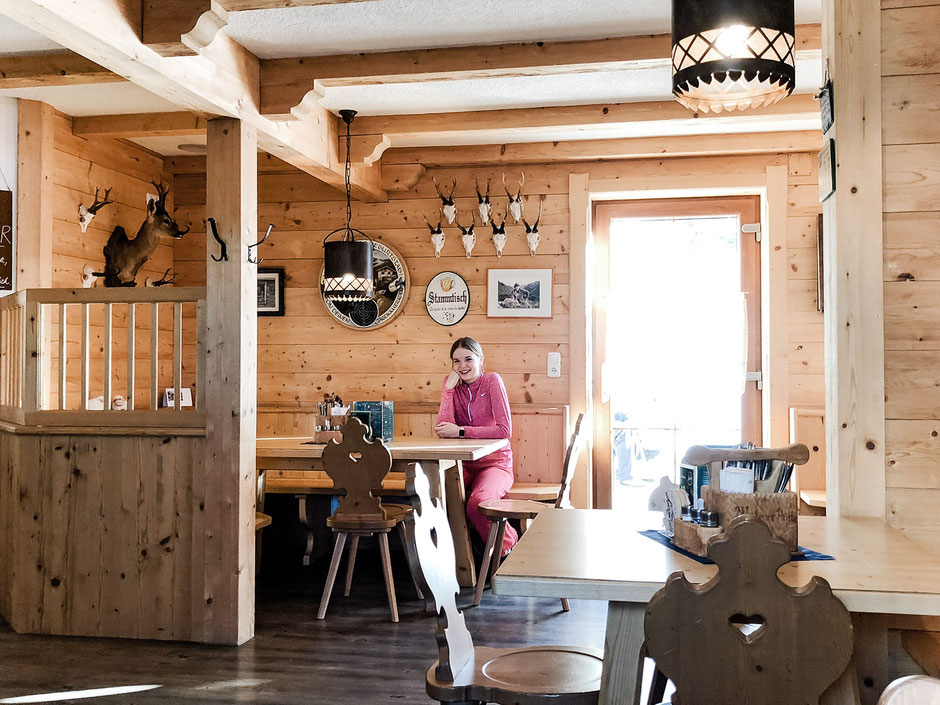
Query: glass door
{"x": 677, "y": 330}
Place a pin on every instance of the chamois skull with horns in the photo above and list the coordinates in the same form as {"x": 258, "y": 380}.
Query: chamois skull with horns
{"x": 532, "y": 236}
{"x": 124, "y": 257}
{"x": 483, "y": 201}
{"x": 467, "y": 237}
{"x": 437, "y": 234}
{"x": 448, "y": 207}
{"x": 499, "y": 235}
{"x": 515, "y": 199}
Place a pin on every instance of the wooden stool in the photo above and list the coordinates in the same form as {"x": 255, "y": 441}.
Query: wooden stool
{"x": 359, "y": 465}
{"x": 468, "y": 674}
{"x": 499, "y": 511}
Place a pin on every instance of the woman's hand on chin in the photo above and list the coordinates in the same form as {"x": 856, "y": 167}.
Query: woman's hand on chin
{"x": 453, "y": 379}
{"x": 447, "y": 430}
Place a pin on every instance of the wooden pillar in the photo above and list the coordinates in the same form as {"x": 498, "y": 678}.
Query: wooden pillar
{"x": 775, "y": 398}
{"x": 581, "y": 340}
{"x": 853, "y": 263}
{"x": 231, "y": 383}
{"x": 35, "y": 167}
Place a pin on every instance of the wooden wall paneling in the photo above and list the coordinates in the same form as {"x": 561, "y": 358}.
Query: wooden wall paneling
{"x": 908, "y": 44}
{"x": 30, "y": 572}
{"x": 808, "y": 426}
{"x": 231, "y": 385}
{"x": 911, "y": 249}
{"x": 910, "y": 389}
{"x": 82, "y": 584}
{"x": 911, "y": 314}
{"x": 912, "y": 510}
{"x": 912, "y": 450}
{"x": 54, "y": 459}
{"x": 910, "y": 110}
{"x": 855, "y": 462}
{"x": 8, "y": 506}
{"x": 911, "y": 177}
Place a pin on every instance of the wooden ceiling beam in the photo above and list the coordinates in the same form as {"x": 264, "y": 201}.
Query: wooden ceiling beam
{"x": 58, "y": 68}
{"x": 222, "y": 80}
{"x": 241, "y": 5}
{"x": 286, "y": 82}
{"x": 524, "y": 124}
{"x": 597, "y": 150}
{"x": 140, "y": 125}
{"x": 180, "y": 27}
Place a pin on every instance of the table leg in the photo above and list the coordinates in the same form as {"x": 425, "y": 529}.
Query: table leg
{"x": 624, "y": 651}
{"x": 305, "y": 521}
{"x": 456, "y": 501}
{"x": 871, "y": 655}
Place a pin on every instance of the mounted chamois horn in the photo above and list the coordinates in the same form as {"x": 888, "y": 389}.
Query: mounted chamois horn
{"x": 532, "y": 232}
{"x": 483, "y": 201}
{"x": 124, "y": 257}
{"x": 448, "y": 207}
{"x": 468, "y": 237}
{"x": 437, "y": 234}
{"x": 515, "y": 199}
{"x": 499, "y": 234}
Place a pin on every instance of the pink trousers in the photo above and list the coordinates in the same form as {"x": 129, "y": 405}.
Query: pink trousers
{"x": 486, "y": 483}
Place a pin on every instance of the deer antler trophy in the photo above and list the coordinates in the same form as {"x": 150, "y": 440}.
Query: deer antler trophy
{"x": 124, "y": 257}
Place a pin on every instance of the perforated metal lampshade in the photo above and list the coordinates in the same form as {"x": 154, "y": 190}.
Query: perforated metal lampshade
{"x": 732, "y": 54}
{"x": 347, "y": 269}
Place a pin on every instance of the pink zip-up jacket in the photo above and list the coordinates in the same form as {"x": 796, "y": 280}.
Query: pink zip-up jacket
{"x": 482, "y": 408}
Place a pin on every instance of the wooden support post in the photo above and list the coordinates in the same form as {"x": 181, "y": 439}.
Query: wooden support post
{"x": 63, "y": 388}
{"x": 853, "y": 254}
{"x": 35, "y": 169}
{"x": 775, "y": 398}
{"x": 580, "y": 341}
{"x": 107, "y": 357}
{"x": 231, "y": 384}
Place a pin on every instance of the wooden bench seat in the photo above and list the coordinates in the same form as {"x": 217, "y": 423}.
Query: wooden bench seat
{"x": 261, "y": 520}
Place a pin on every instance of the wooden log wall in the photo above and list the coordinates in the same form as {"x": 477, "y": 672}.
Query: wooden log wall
{"x": 80, "y": 166}
{"x": 103, "y": 535}
{"x": 910, "y": 66}
{"x": 307, "y": 353}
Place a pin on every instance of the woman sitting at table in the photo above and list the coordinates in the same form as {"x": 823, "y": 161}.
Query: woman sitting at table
{"x": 474, "y": 405}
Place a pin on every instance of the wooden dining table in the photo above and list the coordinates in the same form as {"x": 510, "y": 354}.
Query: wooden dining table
{"x": 599, "y": 555}
{"x": 293, "y": 465}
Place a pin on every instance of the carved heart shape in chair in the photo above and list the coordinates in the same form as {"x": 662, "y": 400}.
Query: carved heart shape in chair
{"x": 748, "y": 627}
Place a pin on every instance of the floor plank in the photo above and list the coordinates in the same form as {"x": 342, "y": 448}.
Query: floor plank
{"x": 356, "y": 655}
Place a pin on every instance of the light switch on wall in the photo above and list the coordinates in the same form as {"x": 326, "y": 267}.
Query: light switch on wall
{"x": 554, "y": 364}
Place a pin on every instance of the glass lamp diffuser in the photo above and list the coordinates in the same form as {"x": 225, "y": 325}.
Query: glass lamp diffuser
{"x": 732, "y": 54}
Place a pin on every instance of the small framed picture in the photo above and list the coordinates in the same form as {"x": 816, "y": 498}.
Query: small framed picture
{"x": 186, "y": 397}
{"x": 519, "y": 293}
{"x": 270, "y": 291}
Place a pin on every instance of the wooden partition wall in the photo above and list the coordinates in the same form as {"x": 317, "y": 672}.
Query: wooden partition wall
{"x": 910, "y": 69}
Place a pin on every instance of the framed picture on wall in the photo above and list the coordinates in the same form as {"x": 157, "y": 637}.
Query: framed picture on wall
{"x": 270, "y": 291}
{"x": 519, "y": 293}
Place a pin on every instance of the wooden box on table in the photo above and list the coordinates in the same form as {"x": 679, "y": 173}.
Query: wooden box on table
{"x": 777, "y": 509}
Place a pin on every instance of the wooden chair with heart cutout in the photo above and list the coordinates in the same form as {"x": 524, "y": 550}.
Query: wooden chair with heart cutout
{"x": 745, "y": 636}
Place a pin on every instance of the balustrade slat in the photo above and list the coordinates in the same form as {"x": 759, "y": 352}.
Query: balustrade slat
{"x": 62, "y": 357}
{"x": 177, "y": 354}
{"x": 32, "y": 333}
{"x": 154, "y": 344}
{"x": 201, "y": 356}
{"x": 131, "y": 354}
{"x": 84, "y": 353}
{"x": 107, "y": 357}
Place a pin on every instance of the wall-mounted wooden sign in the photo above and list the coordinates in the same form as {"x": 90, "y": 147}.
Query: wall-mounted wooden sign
{"x": 6, "y": 241}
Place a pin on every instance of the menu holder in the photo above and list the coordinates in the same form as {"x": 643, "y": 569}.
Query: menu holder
{"x": 329, "y": 426}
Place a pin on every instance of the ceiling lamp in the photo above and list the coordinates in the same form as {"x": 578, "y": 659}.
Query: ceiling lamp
{"x": 347, "y": 262}
{"x": 732, "y": 54}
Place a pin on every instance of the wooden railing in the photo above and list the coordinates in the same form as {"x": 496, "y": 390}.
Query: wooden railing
{"x": 58, "y": 350}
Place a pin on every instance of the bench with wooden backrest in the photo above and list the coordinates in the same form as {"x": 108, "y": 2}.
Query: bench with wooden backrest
{"x": 465, "y": 673}
{"x": 745, "y": 636}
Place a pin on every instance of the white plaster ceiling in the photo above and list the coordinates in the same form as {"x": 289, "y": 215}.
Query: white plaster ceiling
{"x": 96, "y": 99}
{"x": 17, "y": 39}
{"x": 386, "y": 25}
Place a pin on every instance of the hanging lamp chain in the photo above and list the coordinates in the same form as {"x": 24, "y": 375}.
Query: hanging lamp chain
{"x": 349, "y": 234}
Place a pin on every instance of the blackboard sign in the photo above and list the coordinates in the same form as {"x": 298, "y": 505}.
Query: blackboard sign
{"x": 6, "y": 241}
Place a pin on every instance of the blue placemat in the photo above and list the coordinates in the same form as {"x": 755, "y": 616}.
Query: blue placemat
{"x": 808, "y": 554}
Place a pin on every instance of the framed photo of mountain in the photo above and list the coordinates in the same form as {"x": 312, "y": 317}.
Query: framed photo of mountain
{"x": 519, "y": 293}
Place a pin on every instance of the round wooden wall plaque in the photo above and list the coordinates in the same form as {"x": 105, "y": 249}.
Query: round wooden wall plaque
{"x": 447, "y": 298}
{"x": 389, "y": 293}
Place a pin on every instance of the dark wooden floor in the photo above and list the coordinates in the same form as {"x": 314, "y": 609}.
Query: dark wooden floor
{"x": 353, "y": 656}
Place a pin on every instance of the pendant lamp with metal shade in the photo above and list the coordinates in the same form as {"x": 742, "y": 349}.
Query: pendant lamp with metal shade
{"x": 347, "y": 262}
{"x": 732, "y": 54}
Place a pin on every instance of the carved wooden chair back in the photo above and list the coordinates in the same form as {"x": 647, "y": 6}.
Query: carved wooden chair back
{"x": 745, "y": 636}
{"x": 912, "y": 690}
{"x": 435, "y": 548}
{"x": 571, "y": 463}
{"x": 358, "y": 466}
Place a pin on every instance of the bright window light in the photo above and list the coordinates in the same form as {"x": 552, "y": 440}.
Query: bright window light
{"x": 77, "y": 694}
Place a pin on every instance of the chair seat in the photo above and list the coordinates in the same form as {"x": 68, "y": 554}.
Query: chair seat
{"x": 536, "y": 491}
{"x": 512, "y": 508}
{"x": 394, "y": 514}
{"x": 569, "y": 675}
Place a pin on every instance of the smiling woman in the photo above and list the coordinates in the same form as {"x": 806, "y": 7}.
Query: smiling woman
{"x": 474, "y": 404}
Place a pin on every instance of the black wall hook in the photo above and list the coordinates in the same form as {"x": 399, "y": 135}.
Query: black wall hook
{"x": 251, "y": 247}
{"x": 215, "y": 234}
